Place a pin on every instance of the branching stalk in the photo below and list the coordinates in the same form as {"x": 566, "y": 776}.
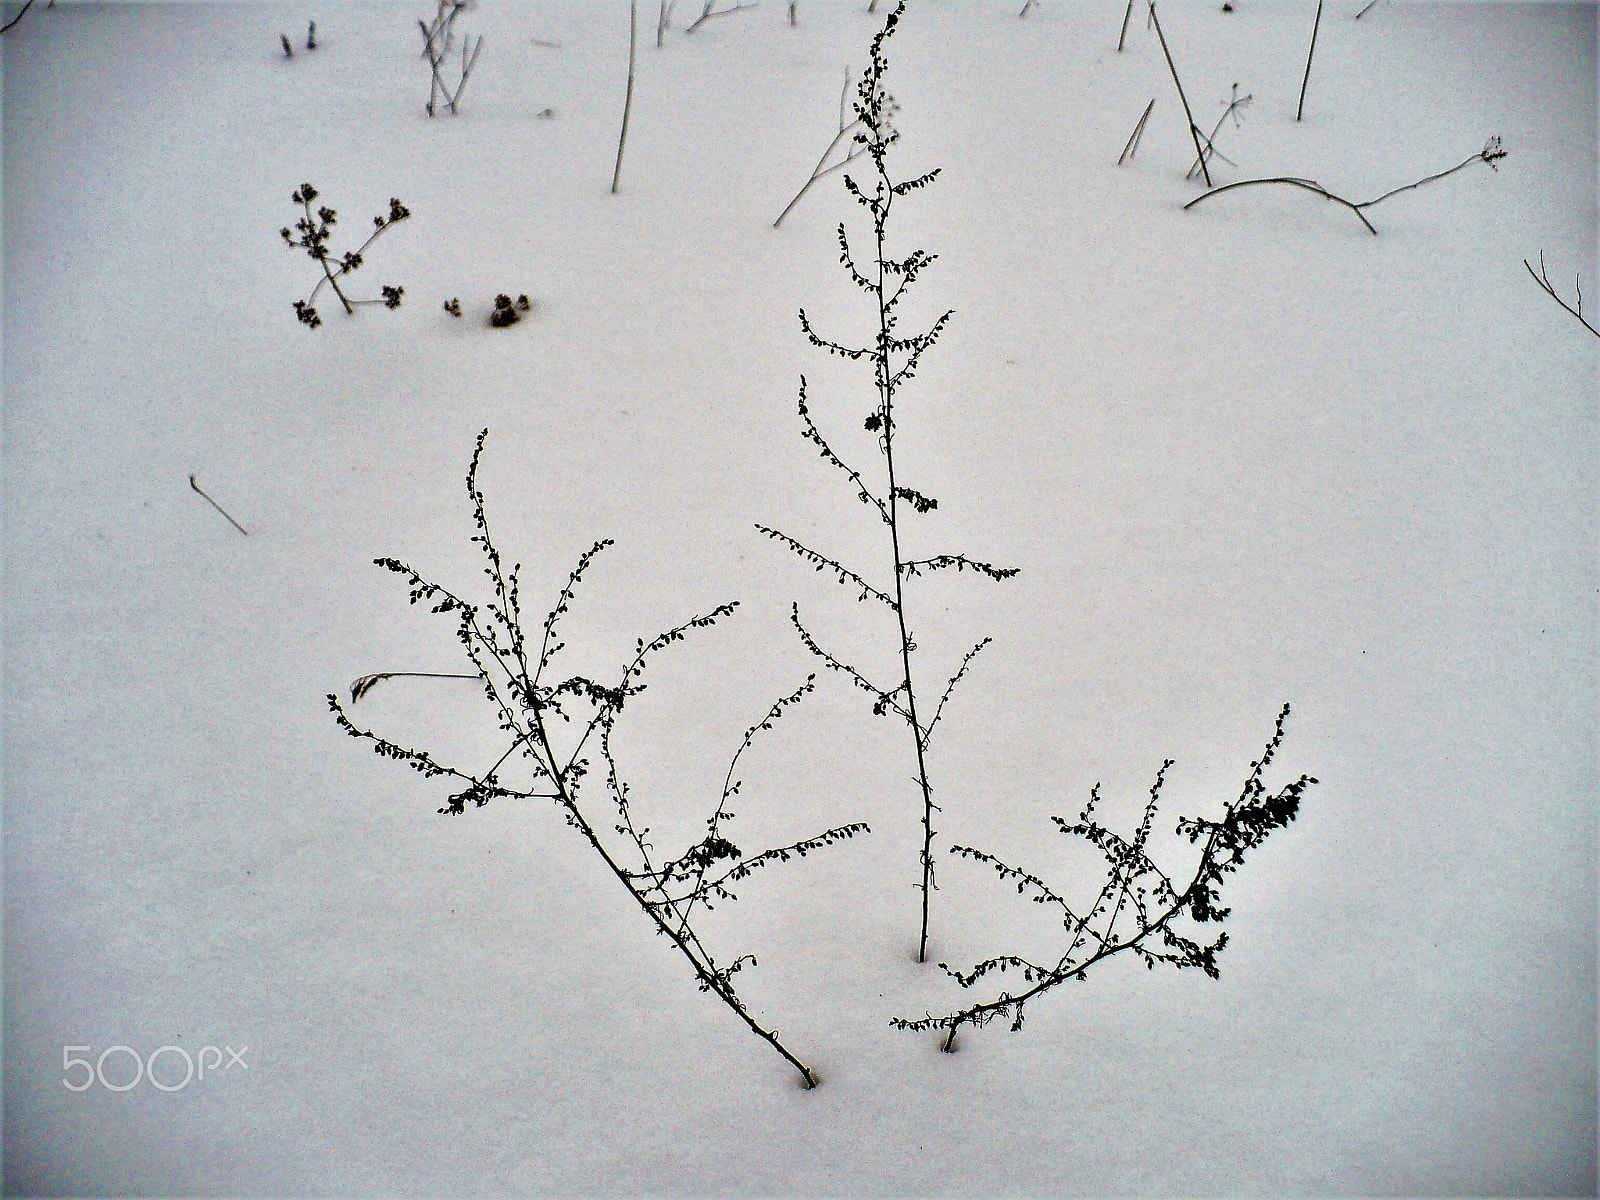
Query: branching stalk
{"x": 894, "y": 360}
{"x": 1542, "y": 278}
{"x": 552, "y": 726}
{"x": 1136, "y": 890}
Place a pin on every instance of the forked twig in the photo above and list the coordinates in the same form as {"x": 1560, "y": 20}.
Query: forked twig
{"x": 1542, "y": 278}
{"x": 711, "y": 10}
{"x": 823, "y": 169}
{"x": 1235, "y": 103}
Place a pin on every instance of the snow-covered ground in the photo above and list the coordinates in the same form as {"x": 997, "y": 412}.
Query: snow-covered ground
{"x": 1244, "y": 454}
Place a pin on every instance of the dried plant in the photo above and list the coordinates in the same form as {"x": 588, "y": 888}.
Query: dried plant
{"x": 711, "y": 11}
{"x": 310, "y": 234}
{"x": 627, "y": 103}
{"x": 894, "y": 359}
{"x": 12, "y": 24}
{"x": 1491, "y": 153}
{"x": 1139, "y": 904}
{"x": 196, "y": 486}
{"x": 1132, "y": 148}
{"x": 824, "y": 168}
{"x": 1194, "y": 130}
{"x": 506, "y": 313}
{"x": 1542, "y": 278}
{"x": 556, "y": 729}
{"x": 437, "y": 37}
{"x": 1315, "y": 25}
{"x": 1233, "y": 105}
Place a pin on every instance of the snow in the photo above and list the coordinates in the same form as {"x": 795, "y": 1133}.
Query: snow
{"x": 1245, "y": 454}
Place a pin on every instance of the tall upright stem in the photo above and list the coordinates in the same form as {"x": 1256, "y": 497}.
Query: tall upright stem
{"x": 627, "y": 104}
{"x": 886, "y": 397}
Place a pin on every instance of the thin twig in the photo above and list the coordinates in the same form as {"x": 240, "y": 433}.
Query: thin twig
{"x": 1315, "y": 25}
{"x": 707, "y": 13}
{"x": 627, "y": 103}
{"x": 218, "y": 507}
{"x": 6, "y": 28}
{"x": 1194, "y": 130}
{"x": 366, "y": 683}
{"x": 1542, "y": 278}
{"x": 1123, "y": 36}
{"x": 1235, "y": 103}
{"x": 1132, "y": 147}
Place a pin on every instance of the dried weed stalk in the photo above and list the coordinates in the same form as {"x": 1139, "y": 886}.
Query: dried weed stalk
{"x": 558, "y": 728}
{"x": 1139, "y": 905}
{"x": 894, "y": 359}
{"x": 1491, "y": 153}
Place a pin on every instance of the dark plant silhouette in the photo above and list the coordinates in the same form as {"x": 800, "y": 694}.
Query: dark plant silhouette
{"x": 310, "y": 234}
{"x": 558, "y": 728}
{"x": 11, "y": 24}
{"x": 1491, "y": 153}
{"x": 196, "y": 486}
{"x": 894, "y": 360}
{"x": 506, "y": 313}
{"x": 1542, "y": 278}
{"x": 1139, "y": 904}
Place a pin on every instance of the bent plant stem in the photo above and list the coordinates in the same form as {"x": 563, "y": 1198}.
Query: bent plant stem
{"x": 627, "y": 102}
{"x": 1491, "y": 153}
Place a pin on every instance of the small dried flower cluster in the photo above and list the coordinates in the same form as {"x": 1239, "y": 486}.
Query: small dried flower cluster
{"x": 311, "y": 233}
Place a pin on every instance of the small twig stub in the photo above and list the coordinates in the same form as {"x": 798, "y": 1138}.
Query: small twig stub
{"x": 218, "y": 507}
